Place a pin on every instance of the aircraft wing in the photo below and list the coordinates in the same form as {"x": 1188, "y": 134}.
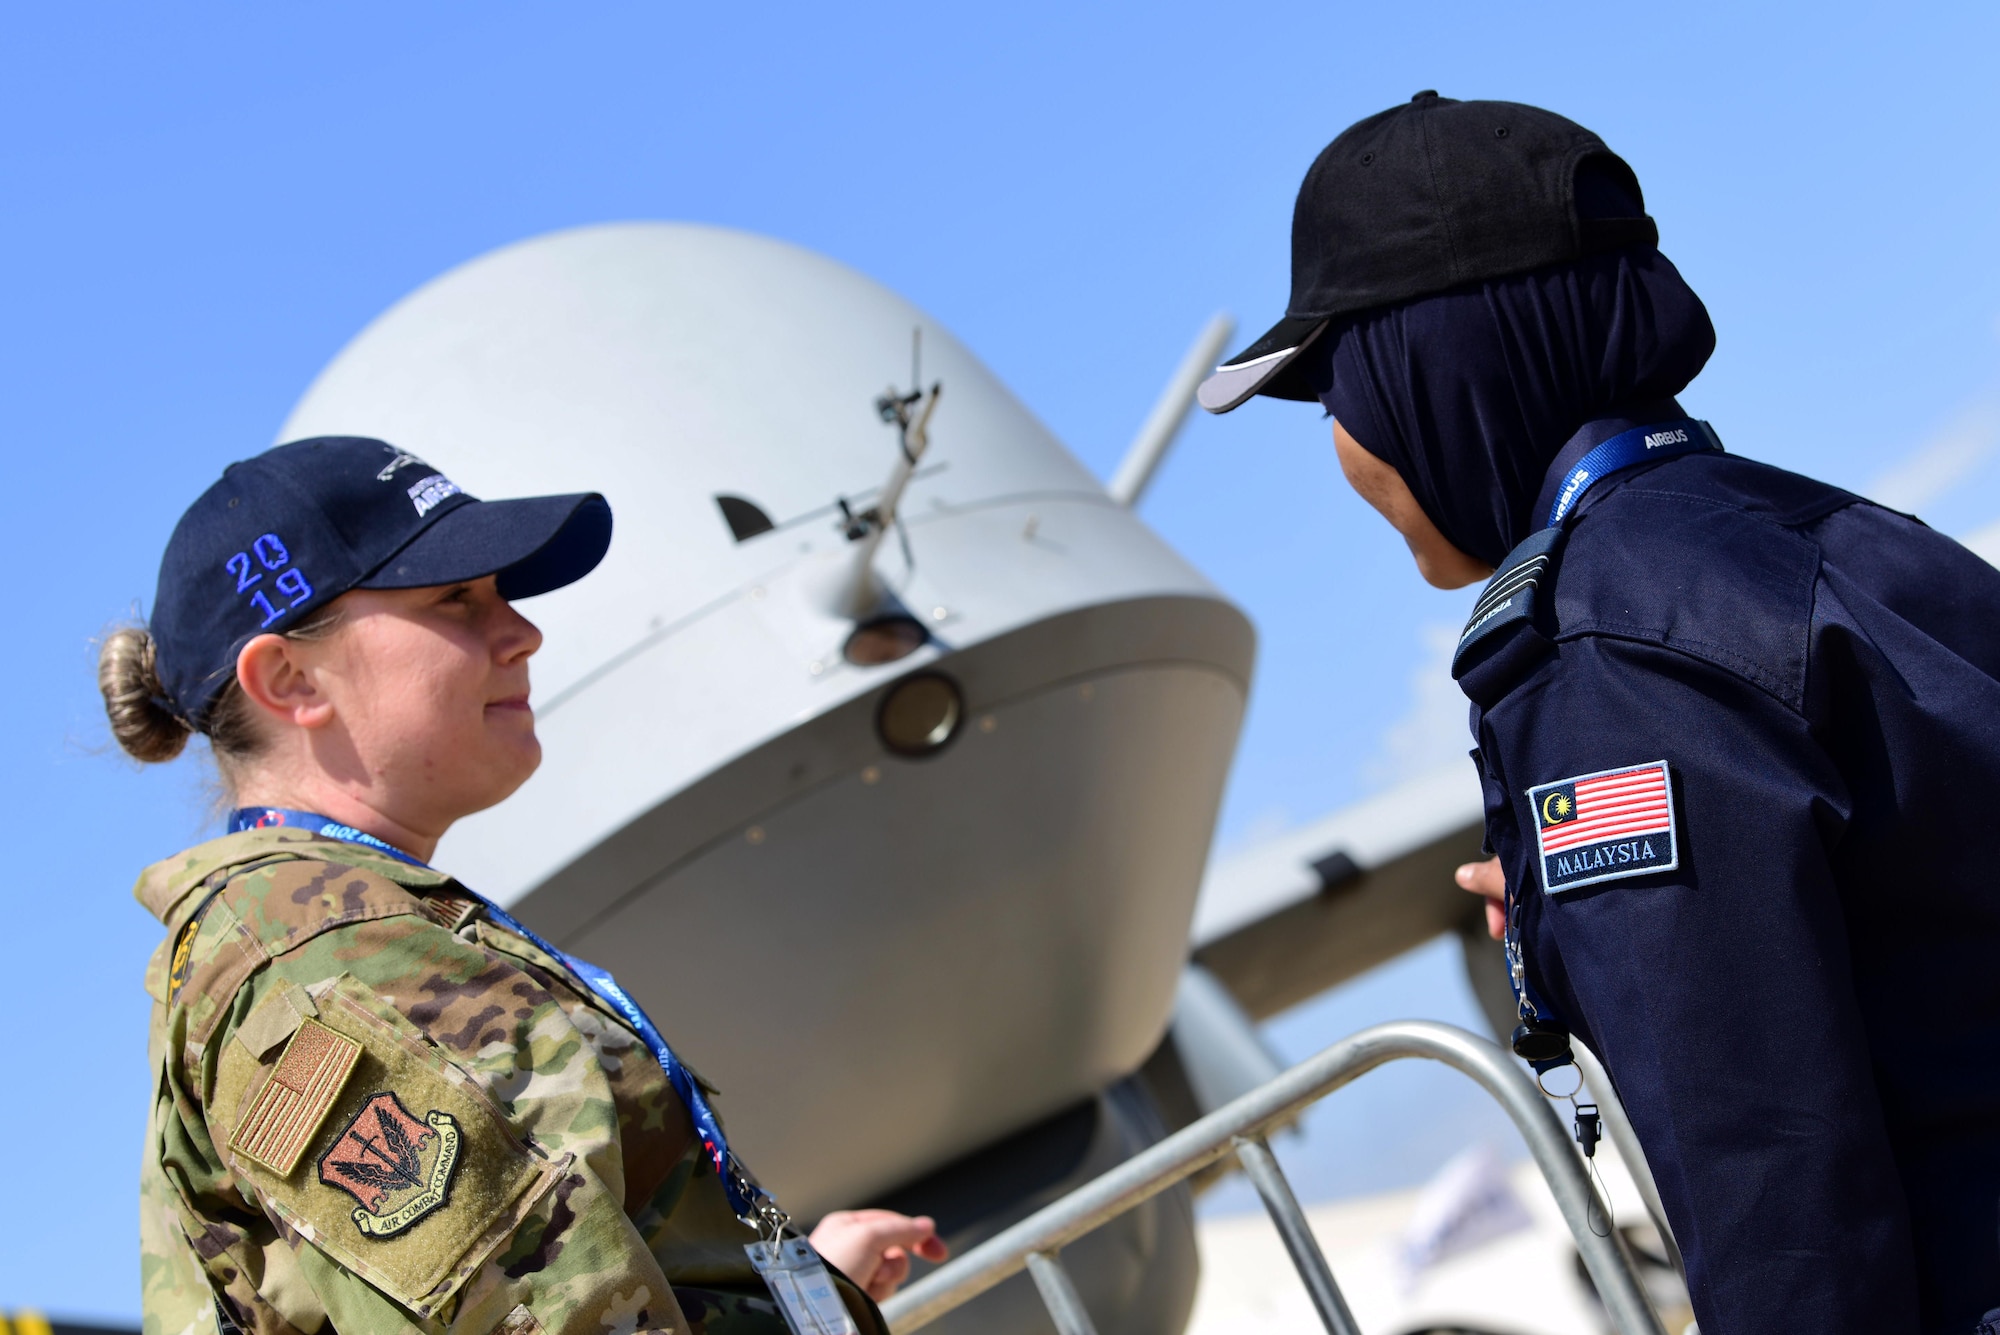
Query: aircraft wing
{"x": 1286, "y": 919}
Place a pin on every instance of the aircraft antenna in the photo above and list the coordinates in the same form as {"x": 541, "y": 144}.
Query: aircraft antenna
{"x": 910, "y": 414}
{"x": 1149, "y": 447}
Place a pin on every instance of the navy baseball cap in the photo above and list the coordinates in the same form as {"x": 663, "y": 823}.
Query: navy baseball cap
{"x": 1425, "y": 197}
{"x": 301, "y": 524}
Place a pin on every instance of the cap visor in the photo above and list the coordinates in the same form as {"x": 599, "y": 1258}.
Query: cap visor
{"x": 533, "y": 544}
{"x": 1262, "y": 367}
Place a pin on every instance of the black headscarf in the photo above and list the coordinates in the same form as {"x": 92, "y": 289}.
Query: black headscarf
{"x": 1470, "y": 394}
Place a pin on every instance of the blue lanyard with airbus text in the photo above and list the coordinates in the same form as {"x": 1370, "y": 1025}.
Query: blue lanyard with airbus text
{"x": 1540, "y": 1040}
{"x": 790, "y": 1267}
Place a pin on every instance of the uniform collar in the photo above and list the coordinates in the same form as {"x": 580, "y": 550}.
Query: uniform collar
{"x": 166, "y": 886}
{"x": 1592, "y": 434}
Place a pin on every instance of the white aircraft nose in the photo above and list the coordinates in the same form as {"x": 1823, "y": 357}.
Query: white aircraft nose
{"x": 729, "y": 816}
{"x": 974, "y": 939}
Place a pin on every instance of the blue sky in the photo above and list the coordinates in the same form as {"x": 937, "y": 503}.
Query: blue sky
{"x": 203, "y": 202}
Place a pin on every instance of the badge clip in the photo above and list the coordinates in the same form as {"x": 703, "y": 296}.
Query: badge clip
{"x": 805, "y": 1291}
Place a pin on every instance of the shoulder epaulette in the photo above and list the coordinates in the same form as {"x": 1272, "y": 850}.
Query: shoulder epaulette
{"x": 263, "y": 909}
{"x": 1509, "y": 597}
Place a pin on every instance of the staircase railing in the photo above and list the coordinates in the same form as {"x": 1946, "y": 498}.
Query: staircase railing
{"x": 1239, "y": 1128}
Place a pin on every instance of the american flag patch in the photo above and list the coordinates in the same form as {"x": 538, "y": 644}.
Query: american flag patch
{"x": 276, "y": 1128}
{"x": 1599, "y": 827}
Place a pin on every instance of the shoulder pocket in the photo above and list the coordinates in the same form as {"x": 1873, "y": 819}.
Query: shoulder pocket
{"x": 397, "y": 1164}
{"x": 1701, "y": 578}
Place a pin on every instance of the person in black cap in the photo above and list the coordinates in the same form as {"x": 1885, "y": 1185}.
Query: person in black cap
{"x": 381, "y": 1102}
{"x": 1738, "y": 731}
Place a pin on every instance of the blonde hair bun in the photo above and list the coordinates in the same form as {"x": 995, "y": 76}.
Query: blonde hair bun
{"x": 134, "y": 699}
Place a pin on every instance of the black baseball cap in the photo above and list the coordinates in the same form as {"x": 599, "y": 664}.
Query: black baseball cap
{"x": 301, "y": 524}
{"x": 1429, "y": 196}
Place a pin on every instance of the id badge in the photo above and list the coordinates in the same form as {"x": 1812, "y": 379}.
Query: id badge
{"x": 798, "y": 1279}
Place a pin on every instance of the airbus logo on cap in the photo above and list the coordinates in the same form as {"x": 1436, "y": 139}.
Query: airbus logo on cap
{"x": 427, "y": 493}
{"x": 403, "y": 459}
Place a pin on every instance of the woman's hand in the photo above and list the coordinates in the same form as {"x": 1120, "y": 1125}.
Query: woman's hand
{"x": 1486, "y": 878}
{"x": 873, "y": 1247}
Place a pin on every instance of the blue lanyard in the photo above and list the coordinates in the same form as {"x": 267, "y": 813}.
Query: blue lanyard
{"x": 1636, "y": 445}
{"x": 750, "y": 1201}
{"x": 1661, "y": 440}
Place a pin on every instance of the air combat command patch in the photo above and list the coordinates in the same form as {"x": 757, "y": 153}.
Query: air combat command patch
{"x": 1602, "y": 826}
{"x": 398, "y": 1167}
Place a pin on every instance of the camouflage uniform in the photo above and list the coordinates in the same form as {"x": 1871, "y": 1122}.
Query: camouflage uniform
{"x": 377, "y": 1111}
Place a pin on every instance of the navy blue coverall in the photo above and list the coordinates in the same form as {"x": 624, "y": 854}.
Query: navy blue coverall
{"x": 1803, "y": 1017}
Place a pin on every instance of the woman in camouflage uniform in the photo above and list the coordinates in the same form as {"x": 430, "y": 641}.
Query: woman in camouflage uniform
{"x": 382, "y": 1104}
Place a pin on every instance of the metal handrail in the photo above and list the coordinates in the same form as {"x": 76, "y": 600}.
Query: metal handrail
{"x": 1238, "y": 1128}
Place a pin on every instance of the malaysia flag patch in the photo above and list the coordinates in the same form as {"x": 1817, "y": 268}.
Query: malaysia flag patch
{"x": 1602, "y": 826}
